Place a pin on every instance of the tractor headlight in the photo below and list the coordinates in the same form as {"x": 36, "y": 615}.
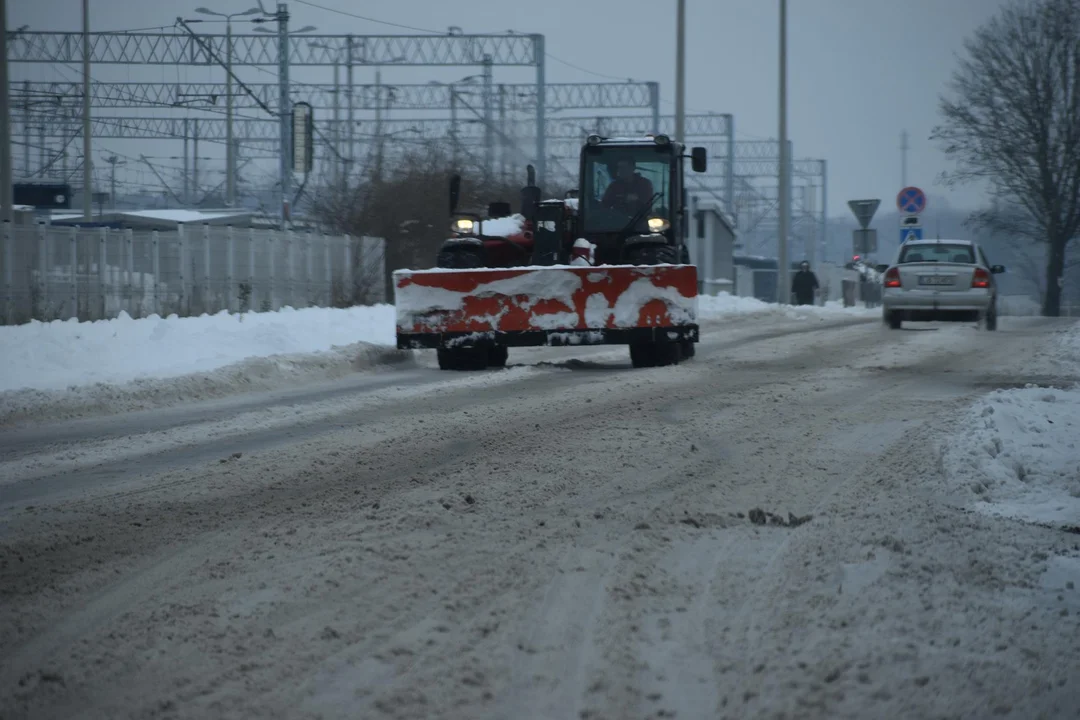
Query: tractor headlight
{"x": 464, "y": 226}
{"x": 658, "y": 224}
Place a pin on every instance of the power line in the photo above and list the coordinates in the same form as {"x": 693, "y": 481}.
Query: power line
{"x": 368, "y": 19}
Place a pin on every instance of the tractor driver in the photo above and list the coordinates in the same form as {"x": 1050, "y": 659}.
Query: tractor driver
{"x": 629, "y": 191}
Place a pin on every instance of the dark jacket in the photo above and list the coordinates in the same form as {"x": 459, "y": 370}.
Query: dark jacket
{"x": 628, "y": 196}
{"x": 803, "y": 285}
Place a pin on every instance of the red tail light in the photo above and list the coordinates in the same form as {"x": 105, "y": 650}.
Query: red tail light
{"x": 892, "y": 277}
{"x": 981, "y": 278}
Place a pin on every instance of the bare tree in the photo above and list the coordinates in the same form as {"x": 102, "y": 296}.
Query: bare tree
{"x": 1014, "y": 121}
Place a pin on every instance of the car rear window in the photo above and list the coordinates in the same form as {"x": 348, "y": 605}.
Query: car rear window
{"x": 938, "y": 252}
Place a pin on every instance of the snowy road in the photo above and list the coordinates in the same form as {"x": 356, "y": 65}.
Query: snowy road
{"x": 559, "y": 540}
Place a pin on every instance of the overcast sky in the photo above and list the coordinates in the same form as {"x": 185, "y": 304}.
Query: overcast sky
{"x": 860, "y": 71}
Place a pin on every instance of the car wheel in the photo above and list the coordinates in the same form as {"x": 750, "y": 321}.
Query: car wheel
{"x": 991, "y": 319}
{"x": 892, "y": 319}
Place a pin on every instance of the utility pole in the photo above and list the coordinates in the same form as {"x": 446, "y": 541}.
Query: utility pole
{"x": 113, "y": 160}
{"x": 27, "y": 127}
{"x": 783, "y": 289}
{"x": 7, "y": 199}
{"x": 284, "y": 108}
{"x": 904, "y": 147}
{"x": 489, "y": 129}
{"x": 230, "y": 150}
{"x": 194, "y": 162}
{"x": 378, "y": 126}
{"x": 349, "y": 110}
{"x": 680, "y": 72}
{"x": 88, "y": 163}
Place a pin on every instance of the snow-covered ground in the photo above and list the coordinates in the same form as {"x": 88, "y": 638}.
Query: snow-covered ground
{"x": 1016, "y": 452}
{"x": 66, "y": 368}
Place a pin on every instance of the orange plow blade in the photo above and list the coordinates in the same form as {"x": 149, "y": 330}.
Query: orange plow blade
{"x": 551, "y": 305}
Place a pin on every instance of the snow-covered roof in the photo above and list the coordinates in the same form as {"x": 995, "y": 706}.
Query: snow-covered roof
{"x": 184, "y": 216}
{"x": 935, "y": 241}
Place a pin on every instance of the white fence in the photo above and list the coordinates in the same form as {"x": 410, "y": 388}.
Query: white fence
{"x": 52, "y": 272}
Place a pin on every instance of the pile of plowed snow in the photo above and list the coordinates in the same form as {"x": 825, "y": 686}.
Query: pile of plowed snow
{"x": 70, "y": 368}
{"x": 1016, "y": 452}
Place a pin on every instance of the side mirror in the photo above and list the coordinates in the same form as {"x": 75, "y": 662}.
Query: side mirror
{"x": 881, "y": 268}
{"x": 997, "y": 269}
{"x": 698, "y": 159}
{"x": 455, "y": 192}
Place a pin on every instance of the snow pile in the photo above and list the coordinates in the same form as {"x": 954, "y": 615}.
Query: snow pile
{"x": 1018, "y": 455}
{"x": 725, "y": 304}
{"x": 62, "y": 354}
{"x": 503, "y": 227}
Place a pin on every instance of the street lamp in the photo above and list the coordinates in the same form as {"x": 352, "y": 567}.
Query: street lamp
{"x": 230, "y": 153}
{"x": 281, "y": 17}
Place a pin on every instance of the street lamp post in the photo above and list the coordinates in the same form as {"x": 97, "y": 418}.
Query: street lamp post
{"x": 230, "y": 151}
{"x": 783, "y": 289}
{"x": 281, "y": 17}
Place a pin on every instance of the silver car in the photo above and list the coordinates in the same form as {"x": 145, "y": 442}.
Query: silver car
{"x": 947, "y": 280}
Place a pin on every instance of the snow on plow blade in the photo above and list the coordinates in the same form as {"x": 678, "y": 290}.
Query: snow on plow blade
{"x": 549, "y": 305}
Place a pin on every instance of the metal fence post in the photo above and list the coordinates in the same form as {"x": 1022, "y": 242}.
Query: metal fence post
{"x": 129, "y": 272}
{"x": 73, "y": 277}
{"x": 328, "y": 277}
{"x": 348, "y": 289}
{"x": 252, "y": 295}
{"x": 206, "y": 268}
{"x": 271, "y": 249}
{"x": 290, "y": 274}
{"x": 102, "y": 274}
{"x": 307, "y": 269}
{"x": 230, "y": 269}
{"x": 9, "y": 279}
{"x": 184, "y": 304}
{"x": 44, "y": 263}
{"x": 155, "y": 248}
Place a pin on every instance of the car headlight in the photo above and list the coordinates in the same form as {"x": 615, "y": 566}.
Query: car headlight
{"x": 658, "y": 224}
{"x": 464, "y": 226}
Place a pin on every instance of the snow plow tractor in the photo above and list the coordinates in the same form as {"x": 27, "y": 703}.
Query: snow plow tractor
{"x": 605, "y": 265}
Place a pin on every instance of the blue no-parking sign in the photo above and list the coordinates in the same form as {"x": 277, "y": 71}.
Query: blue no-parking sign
{"x": 911, "y": 200}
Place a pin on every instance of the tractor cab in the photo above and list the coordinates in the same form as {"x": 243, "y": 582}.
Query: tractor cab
{"x": 632, "y": 194}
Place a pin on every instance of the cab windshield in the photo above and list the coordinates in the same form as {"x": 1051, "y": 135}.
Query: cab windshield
{"x": 620, "y": 182}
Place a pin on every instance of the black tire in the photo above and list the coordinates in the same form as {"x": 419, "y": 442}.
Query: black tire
{"x": 689, "y": 349}
{"x": 893, "y": 320}
{"x": 643, "y": 355}
{"x": 497, "y": 356}
{"x": 652, "y": 255}
{"x": 463, "y": 359}
{"x": 459, "y": 258}
{"x": 991, "y": 319}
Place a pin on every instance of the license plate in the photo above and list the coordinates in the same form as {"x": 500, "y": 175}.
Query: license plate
{"x": 935, "y": 280}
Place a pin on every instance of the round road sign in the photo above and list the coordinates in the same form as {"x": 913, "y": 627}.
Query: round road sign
{"x": 911, "y": 200}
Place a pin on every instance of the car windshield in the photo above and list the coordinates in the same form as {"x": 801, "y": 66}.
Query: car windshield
{"x": 621, "y": 181}
{"x": 938, "y": 252}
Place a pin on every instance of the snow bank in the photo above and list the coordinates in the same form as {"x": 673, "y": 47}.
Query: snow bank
{"x": 1017, "y": 452}
{"x": 1018, "y": 455}
{"x": 62, "y": 354}
{"x": 724, "y": 304}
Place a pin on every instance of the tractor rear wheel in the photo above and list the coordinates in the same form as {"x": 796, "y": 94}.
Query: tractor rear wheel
{"x": 657, "y": 353}
{"x": 652, "y": 255}
{"x": 471, "y": 358}
{"x": 459, "y": 258}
